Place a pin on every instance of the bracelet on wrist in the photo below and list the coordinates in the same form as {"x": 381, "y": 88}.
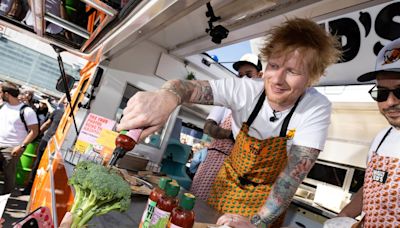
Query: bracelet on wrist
{"x": 179, "y": 99}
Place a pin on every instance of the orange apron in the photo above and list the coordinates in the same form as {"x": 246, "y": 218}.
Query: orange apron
{"x": 248, "y": 174}
{"x": 381, "y": 194}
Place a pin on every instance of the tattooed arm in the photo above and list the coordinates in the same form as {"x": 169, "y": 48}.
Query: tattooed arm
{"x": 300, "y": 161}
{"x": 150, "y": 110}
{"x": 198, "y": 92}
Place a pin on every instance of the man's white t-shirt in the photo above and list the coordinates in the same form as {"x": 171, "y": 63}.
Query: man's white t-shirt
{"x": 310, "y": 121}
{"x": 12, "y": 131}
{"x": 390, "y": 146}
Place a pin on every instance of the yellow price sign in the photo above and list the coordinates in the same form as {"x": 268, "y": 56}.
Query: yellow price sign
{"x": 81, "y": 146}
{"x": 107, "y": 138}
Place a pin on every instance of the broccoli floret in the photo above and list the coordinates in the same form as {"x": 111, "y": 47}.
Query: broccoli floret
{"x": 97, "y": 191}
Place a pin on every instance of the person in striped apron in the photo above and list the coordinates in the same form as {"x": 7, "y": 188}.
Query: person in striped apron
{"x": 219, "y": 126}
{"x": 379, "y": 198}
{"x": 284, "y": 122}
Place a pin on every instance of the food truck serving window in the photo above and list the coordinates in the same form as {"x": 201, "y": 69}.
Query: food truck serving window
{"x": 327, "y": 173}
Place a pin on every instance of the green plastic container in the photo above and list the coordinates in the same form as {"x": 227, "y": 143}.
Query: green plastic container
{"x": 26, "y": 160}
{"x": 31, "y": 148}
{"x": 24, "y": 166}
{"x": 22, "y": 176}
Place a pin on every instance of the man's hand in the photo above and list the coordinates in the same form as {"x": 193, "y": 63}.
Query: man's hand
{"x": 148, "y": 110}
{"x": 235, "y": 221}
{"x": 17, "y": 151}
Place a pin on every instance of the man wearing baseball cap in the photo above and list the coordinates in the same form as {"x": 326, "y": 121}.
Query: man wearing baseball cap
{"x": 249, "y": 65}
{"x": 379, "y": 198}
{"x": 219, "y": 126}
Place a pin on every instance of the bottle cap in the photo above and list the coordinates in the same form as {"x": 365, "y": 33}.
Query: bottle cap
{"x": 163, "y": 182}
{"x": 187, "y": 201}
{"x": 172, "y": 189}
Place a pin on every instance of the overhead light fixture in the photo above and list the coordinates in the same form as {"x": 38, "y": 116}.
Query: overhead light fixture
{"x": 219, "y": 32}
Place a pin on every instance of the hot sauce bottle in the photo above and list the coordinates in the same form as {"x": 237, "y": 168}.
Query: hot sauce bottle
{"x": 183, "y": 216}
{"x": 125, "y": 141}
{"x": 165, "y": 205}
{"x": 155, "y": 196}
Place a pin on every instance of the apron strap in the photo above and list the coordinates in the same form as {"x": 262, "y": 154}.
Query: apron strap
{"x": 218, "y": 150}
{"x": 256, "y": 109}
{"x": 287, "y": 119}
{"x": 383, "y": 139}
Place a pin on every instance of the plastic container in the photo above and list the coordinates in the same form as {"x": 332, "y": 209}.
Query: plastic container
{"x": 26, "y": 160}
{"x": 31, "y": 148}
{"x": 22, "y": 175}
{"x": 24, "y": 166}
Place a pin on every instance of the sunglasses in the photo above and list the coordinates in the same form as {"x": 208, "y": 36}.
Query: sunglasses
{"x": 381, "y": 95}
{"x": 245, "y": 75}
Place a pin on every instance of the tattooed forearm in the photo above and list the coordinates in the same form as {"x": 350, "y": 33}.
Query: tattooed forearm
{"x": 212, "y": 129}
{"x": 198, "y": 92}
{"x": 300, "y": 161}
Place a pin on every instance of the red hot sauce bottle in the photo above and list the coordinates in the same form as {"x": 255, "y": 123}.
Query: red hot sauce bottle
{"x": 125, "y": 141}
{"x": 183, "y": 216}
{"x": 165, "y": 205}
{"x": 155, "y": 196}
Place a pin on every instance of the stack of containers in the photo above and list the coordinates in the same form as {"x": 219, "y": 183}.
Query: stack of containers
{"x": 24, "y": 166}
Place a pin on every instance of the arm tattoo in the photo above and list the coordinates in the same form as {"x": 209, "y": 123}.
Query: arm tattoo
{"x": 300, "y": 160}
{"x": 198, "y": 92}
{"x": 212, "y": 129}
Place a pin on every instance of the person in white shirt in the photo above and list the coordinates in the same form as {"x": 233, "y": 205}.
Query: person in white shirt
{"x": 219, "y": 126}
{"x": 379, "y": 198}
{"x": 15, "y": 135}
{"x": 284, "y": 122}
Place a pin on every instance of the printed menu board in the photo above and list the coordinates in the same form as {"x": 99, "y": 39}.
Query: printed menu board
{"x": 96, "y": 138}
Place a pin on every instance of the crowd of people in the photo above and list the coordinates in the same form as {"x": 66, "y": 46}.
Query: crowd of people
{"x": 24, "y": 120}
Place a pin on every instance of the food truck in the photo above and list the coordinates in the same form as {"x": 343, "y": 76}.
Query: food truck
{"x": 137, "y": 45}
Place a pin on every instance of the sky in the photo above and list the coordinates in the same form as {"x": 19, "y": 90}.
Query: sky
{"x": 231, "y": 53}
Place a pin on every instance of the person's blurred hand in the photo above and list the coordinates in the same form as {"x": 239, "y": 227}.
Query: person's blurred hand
{"x": 235, "y": 221}
{"x": 17, "y": 151}
{"x": 67, "y": 220}
{"x": 1, "y": 222}
{"x": 148, "y": 111}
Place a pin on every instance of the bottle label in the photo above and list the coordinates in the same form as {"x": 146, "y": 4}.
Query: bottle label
{"x": 148, "y": 214}
{"x": 160, "y": 218}
{"x": 134, "y": 134}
